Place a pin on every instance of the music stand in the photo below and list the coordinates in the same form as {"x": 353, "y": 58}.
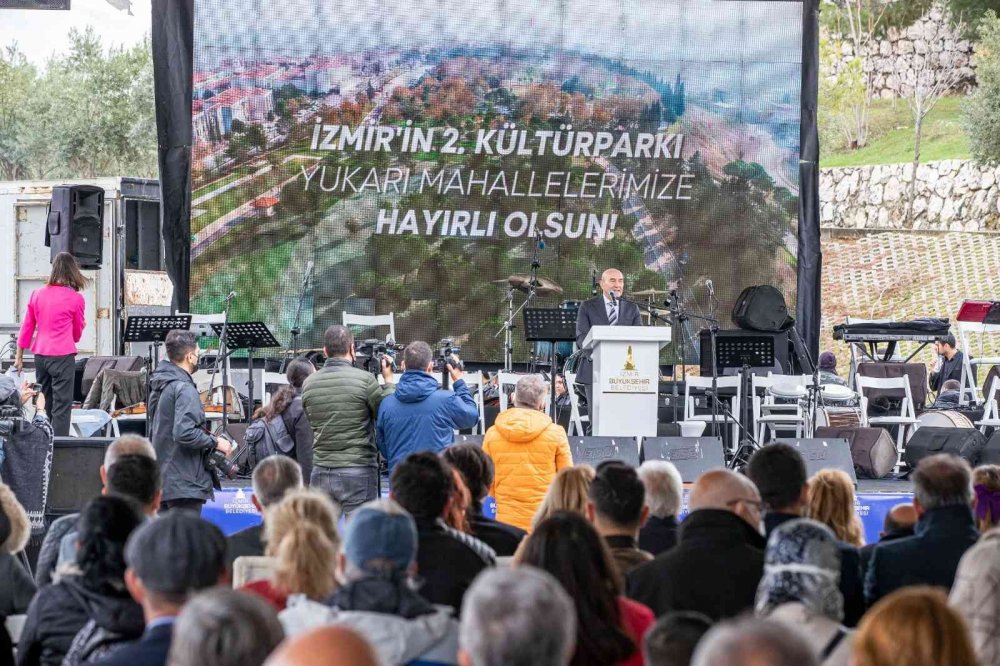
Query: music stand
{"x": 247, "y": 335}
{"x": 143, "y": 328}
{"x": 754, "y": 350}
{"x": 550, "y": 325}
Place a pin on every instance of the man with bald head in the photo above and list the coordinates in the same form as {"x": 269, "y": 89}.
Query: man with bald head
{"x": 606, "y": 309}
{"x": 323, "y": 646}
{"x": 898, "y": 524}
{"x": 719, "y": 558}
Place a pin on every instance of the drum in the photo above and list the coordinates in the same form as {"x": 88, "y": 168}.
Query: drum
{"x": 788, "y": 391}
{"x": 835, "y": 394}
{"x": 543, "y": 350}
{"x": 944, "y": 418}
{"x": 572, "y": 363}
{"x": 838, "y": 417}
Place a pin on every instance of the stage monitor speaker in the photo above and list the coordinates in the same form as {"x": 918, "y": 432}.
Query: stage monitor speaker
{"x": 595, "y": 450}
{"x": 821, "y": 453}
{"x": 872, "y": 449}
{"x": 75, "y": 478}
{"x": 967, "y": 443}
{"x": 75, "y": 223}
{"x": 468, "y": 439}
{"x": 991, "y": 452}
{"x": 690, "y": 455}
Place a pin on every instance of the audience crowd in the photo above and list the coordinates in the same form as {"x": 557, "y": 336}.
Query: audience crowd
{"x": 582, "y": 566}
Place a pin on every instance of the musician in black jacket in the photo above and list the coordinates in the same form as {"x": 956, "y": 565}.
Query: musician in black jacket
{"x": 604, "y": 310}
{"x": 950, "y": 361}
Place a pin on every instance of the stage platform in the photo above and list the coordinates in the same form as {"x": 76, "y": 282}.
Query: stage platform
{"x": 876, "y": 486}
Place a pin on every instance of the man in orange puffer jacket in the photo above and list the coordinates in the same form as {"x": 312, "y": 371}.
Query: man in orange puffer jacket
{"x": 527, "y": 449}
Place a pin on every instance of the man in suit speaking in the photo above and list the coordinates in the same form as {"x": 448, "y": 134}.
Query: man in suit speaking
{"x": 604, "y": 310}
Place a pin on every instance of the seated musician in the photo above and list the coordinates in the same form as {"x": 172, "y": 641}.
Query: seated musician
{"x": 949, "y": 363}
{"x": 828, "y": 369}
{"x": 948, "y": 398}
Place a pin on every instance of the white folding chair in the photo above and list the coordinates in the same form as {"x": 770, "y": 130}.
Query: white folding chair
{"x": 477, "y": 379}
{"x": 705, "y": 383}
{"x": 576, "y": 421}
{"x": 770, "y": 415}
{"x": 370, "y": 321}
{"x": 991, "y": 417}
{"x": 907, "y": 414}
{"x": 505, "y": 379}
{"x": 971, "y": 363}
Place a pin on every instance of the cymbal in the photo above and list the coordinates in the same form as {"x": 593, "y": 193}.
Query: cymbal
{"x": 543, "y": 286}
{"x": 650, "y": 292}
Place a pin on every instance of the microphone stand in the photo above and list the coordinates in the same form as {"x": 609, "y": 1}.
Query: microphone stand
{"x": 677, "y": 316}
{"x": 222, "y": 358}
{"x": 296, "y": 331}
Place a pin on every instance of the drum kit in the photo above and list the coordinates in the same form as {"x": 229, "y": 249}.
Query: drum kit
{"x": 532, "y": 285}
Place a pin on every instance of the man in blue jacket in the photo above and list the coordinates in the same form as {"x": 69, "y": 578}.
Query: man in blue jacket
{"x": 420, "y": 416}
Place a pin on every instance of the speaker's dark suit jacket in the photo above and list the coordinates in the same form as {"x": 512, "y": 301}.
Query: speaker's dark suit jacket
{"x": 594, "y": 313}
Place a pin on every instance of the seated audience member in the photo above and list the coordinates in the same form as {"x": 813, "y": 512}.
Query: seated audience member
{"x": 225, "y": 627}
{"x": 134, "y": 477}
{"x": 779, "y": 472}
{"x": 286, "y": 405}
{"x": 16, "y": 584}
{"x": 568, "y": 492}
{"x": 674, "y": 638}
{"x": 617, "y": 508}
{"x": 831, "y": 502}
{"x": 169, "y": 559}
{"x": 459, "y": 504}
{"x": 753, "y": 642}
{"x": 976, "y": 596}
{"x": 719, "y": 557}
{"x": 898, "y": 523}
{"x": 528, "y": 450}
{"x": 986, "y": 488}
{"x": 942, "y": 497}
{"x": 324, "y": 646}
{"x": 914, "y": 627}
{"x": 664, "y": 495}
{"x": 378, "y": 597}
{"x": 448, "y": 560}
{"x": 516, "y": 618}
{"x": 800, "y": 588}
{"x": 610, "y": 628}
{"x": 98, "y": 593}
{"x": 272, "y": 478}
{"x": 301, "y": 536}
{"x": 476, "y": 469}
{"x": 949, "y": 397}
{"x": 419, "y": 415}
{"x": 52, "y": 546}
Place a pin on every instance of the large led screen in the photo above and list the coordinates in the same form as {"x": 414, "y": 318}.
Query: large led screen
{"x": 408, "y": 157}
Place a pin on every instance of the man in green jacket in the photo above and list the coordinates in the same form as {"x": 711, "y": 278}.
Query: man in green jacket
{"x": 341, "y": 403}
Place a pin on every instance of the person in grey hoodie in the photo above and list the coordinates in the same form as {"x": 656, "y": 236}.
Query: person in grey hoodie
{"x": 379, "y": 599}
{"x": 176, "y": 421}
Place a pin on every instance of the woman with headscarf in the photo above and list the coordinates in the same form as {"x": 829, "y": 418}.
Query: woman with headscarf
{"x": 986, "y": 483}
{"x": 801, "y": 588}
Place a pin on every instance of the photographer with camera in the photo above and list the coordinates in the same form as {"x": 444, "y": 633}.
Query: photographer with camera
{"x": 420, "y": 416}
{"x": 341, "y": 402}
{"x": 177, "y": 427}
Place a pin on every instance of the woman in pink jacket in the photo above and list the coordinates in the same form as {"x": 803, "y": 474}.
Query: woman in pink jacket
{"x": 55, "y": 320}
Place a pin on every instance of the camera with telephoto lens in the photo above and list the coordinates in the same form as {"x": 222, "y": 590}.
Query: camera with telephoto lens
{"x": 371, "y": 352}
{"x": 446, "y": 349}
{"x": 11, "y": 420}
{"x": 218, "y": 464}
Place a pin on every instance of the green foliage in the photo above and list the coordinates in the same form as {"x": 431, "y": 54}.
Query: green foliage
{"x": 982, "y": 110}
{"x": 90, "y": 113}
{"x": 877, "y": 16}
{"x": 972, "y": 13}
{"x": 245, "y": 139}
{"x": 839, "y": 95}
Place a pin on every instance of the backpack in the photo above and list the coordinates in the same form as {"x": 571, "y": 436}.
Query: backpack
{"x": 92, "y": 643}
{"x": 266, "y": 437}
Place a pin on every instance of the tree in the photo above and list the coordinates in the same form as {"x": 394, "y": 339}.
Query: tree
{"x": 970, "y": 13}
{"x": 931, "y": 82}
{"x": 16, "y": 79}
{"x": 981, "y": 113}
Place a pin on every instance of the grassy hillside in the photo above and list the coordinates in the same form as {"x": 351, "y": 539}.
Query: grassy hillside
{"x": 892, "y": 136}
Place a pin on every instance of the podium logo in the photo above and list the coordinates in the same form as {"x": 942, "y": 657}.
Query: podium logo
{"x": 629, "y": 361}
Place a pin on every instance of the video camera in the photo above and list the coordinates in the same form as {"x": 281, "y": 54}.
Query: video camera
{"x": 446, "y": 349}
{"x": 11, "y": 420}
{"x": 371, "y": 352}
{"x": 219, "y": 465}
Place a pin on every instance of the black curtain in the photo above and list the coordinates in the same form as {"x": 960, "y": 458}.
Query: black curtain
{"x": 808, "y": 307}
{"x": 173, "y": 41}
{"x": 173, "y": 38}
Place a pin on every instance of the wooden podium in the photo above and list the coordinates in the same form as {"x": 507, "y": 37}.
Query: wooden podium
{"x": 626, "y": 379}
